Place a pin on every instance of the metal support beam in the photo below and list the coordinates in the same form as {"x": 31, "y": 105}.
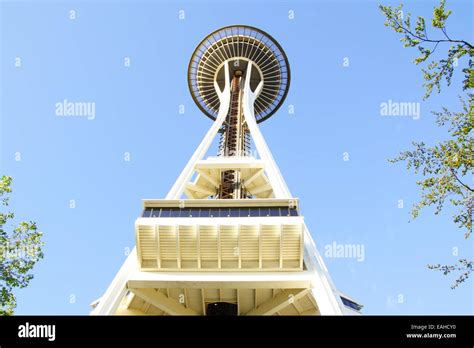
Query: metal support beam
{"x": 159, "y": 300}
{"x": 260, "y": 189}
{"x": 279, "y": 302}
{"x": 200, "y": 189}
{"x": 252, "y": 178}
{"x": 208, "y": 177}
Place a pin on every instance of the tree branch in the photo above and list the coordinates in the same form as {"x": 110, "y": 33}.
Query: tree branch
{"x": 428, "y": 40}
{"x": 445, "y": 34}
{"x": 463, "y": 184}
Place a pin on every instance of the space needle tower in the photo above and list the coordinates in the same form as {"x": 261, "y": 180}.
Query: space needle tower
{"x": 229, "y": 238}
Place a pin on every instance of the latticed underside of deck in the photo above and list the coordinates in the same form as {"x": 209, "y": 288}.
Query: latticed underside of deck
{"x": 220, "y": 247}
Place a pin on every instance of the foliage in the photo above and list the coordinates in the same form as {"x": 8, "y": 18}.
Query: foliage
{"x": 417, "y": 36}
{"x": 20, "y": 250}
{"x": 447, "y": 168}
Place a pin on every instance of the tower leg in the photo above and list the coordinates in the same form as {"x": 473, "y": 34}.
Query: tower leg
{"x": 110, "y": 301}
{"x": 185, "y": 176}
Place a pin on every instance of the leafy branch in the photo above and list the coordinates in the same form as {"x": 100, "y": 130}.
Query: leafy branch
{"x": 465, "y": 266}
{"x": 417, "y": 36}
{"x": 447, "y": 168}
{"x": 20, "y": 250}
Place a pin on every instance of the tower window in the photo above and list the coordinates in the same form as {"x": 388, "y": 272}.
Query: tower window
{"x": 219, "y": 212}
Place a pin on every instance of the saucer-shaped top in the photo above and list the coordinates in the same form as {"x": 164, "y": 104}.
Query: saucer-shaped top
{"x": 237, "y": 45}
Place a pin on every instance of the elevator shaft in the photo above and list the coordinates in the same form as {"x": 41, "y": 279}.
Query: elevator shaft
{"x": 235, "y": 141}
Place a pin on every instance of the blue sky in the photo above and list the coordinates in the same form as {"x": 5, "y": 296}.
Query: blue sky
{"x": 337, "y": 110}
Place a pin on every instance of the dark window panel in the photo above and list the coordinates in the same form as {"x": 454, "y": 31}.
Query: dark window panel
{"x": 293, "y": 212}
{"x": 194, "y": 212}
{"x": 254, "y": 211}
{"x": 174, "y": 212}
{"x": 184, "y": 212}
{"x": 220, "y": 212}
{"x": 244, "y": 212}
{"x": 351, "y": 304}
{"x": 205, "y": 212}
{"x": 274, "y": 211}
{"x": 165, "y": 212}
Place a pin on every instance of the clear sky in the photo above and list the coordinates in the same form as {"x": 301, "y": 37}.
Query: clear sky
{"x": 337, "y": 110}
